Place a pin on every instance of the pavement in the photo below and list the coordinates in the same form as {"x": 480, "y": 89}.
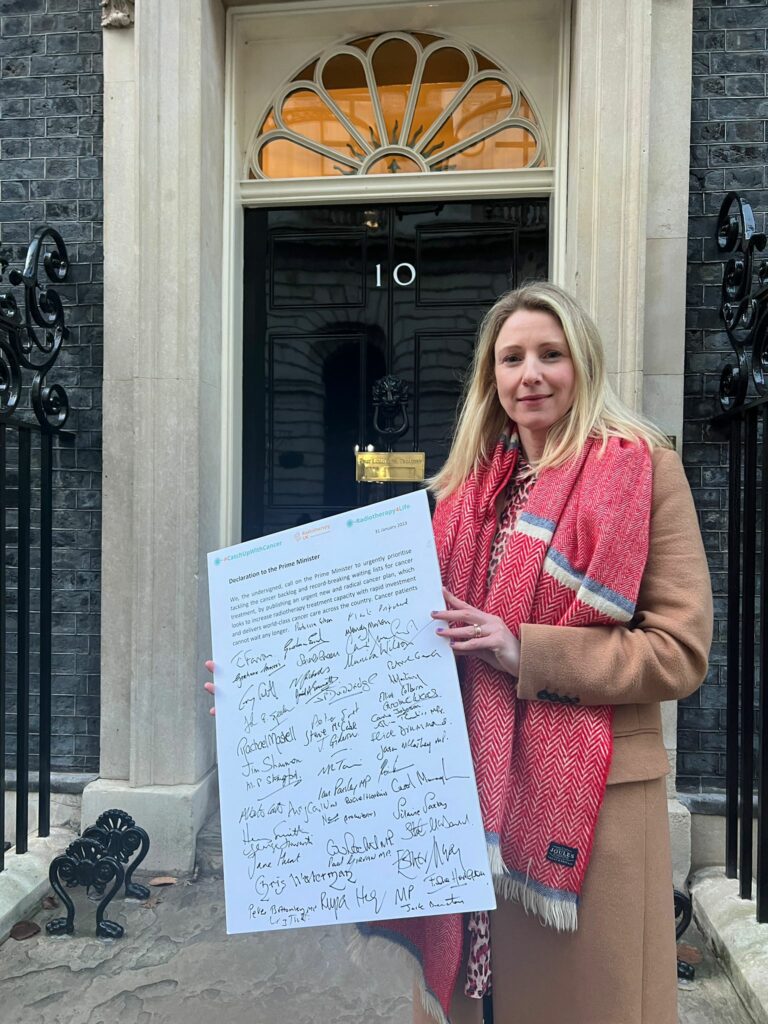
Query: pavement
{"x": 176, "y": 965}
{"x": 710, "y": 998}
{"x": 737, "y": 938}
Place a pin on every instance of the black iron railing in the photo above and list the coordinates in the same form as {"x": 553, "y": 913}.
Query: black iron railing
{"x": 31, "y": 337}
{"x": 744, "y": 399}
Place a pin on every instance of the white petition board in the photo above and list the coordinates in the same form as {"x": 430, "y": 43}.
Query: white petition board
{"x": 346, "y": 782}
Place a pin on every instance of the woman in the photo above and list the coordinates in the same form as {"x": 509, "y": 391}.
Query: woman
{"x": 578, "y": 598}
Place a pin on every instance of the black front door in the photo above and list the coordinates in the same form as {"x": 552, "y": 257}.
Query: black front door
{"x": 338, "y": 297}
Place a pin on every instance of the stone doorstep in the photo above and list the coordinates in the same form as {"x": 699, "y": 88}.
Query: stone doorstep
{"x": 24, "y": 881}
{"x": 730, "y": 925}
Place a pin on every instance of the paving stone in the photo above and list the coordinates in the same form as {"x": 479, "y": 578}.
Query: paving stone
{"x": 730, "y": 926}
{"x": 176, "y": 965}
{"x": 709, "y": 998}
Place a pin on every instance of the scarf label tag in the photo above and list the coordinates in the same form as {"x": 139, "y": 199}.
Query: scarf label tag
{"x": 564, "y": 855}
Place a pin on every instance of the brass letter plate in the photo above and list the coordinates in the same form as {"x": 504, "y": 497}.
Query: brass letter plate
{"x": 390, "y": 467}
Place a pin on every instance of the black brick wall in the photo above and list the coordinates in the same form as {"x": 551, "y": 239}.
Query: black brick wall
{"x": 728, "y": 151}
{"x": 50, "y": 172}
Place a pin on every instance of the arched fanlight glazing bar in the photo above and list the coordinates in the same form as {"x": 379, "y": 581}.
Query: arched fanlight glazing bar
{"x": 359, "y": 143}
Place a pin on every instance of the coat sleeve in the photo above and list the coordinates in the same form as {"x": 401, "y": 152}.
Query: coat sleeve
{"x": 662, "y": 653}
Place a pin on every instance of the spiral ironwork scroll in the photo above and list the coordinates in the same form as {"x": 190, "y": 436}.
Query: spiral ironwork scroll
{"x": 744, "y": 302}
{"x": 87, "y": 863}
{"x": 683, "y": 915}
{"x": 122, "y": 838}
{"x": 32, "y": 339}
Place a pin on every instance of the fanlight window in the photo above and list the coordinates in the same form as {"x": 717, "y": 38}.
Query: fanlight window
{"x": 396, "y": 104}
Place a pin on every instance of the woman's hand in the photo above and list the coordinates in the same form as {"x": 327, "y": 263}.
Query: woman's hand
{"x": 209, "y": 686}
{"x": 485, "y": 636}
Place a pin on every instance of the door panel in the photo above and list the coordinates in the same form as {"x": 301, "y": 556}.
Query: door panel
{"x": 441, "y": 362}
{"x": 338, "y": 297}
{"x": 459, "y": 266}
{"x": 318, "y": 271}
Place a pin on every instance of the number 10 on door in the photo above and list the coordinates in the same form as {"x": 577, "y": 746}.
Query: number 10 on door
{"x": 403, "y": 274}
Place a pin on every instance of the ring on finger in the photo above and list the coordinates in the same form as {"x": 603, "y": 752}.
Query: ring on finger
{"x": 478, "y": 632}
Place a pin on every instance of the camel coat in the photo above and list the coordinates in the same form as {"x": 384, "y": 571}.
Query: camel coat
{"x": 619, "y": 967}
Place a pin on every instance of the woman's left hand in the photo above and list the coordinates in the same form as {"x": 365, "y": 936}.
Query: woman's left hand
{"x": 485, "y": 636}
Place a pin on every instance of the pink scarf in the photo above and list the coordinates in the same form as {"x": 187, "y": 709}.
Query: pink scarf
{"x": 575, "y": 558}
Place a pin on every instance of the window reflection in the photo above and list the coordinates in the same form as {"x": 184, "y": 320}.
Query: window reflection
{"x": 344, "y": 111}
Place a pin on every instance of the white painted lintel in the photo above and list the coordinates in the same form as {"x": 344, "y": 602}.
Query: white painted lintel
{"x": 399, "y": 187}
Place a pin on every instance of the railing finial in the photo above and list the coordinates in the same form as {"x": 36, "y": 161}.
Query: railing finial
{"x": 744, "y": 302}
{"x": 32, "y": 340}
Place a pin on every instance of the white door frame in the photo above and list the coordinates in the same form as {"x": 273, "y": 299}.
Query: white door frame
{"x": 240, "y": 195}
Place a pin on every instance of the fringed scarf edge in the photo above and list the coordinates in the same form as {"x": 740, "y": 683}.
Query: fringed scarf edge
{"x": 405, "y": 953}
{"x": 556, "y": 908}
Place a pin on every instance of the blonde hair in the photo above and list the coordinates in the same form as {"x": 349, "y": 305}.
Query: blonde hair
{"x": 597, "y": 410}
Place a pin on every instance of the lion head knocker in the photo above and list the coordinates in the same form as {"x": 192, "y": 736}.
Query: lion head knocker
{"x": 390, "y": 413}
